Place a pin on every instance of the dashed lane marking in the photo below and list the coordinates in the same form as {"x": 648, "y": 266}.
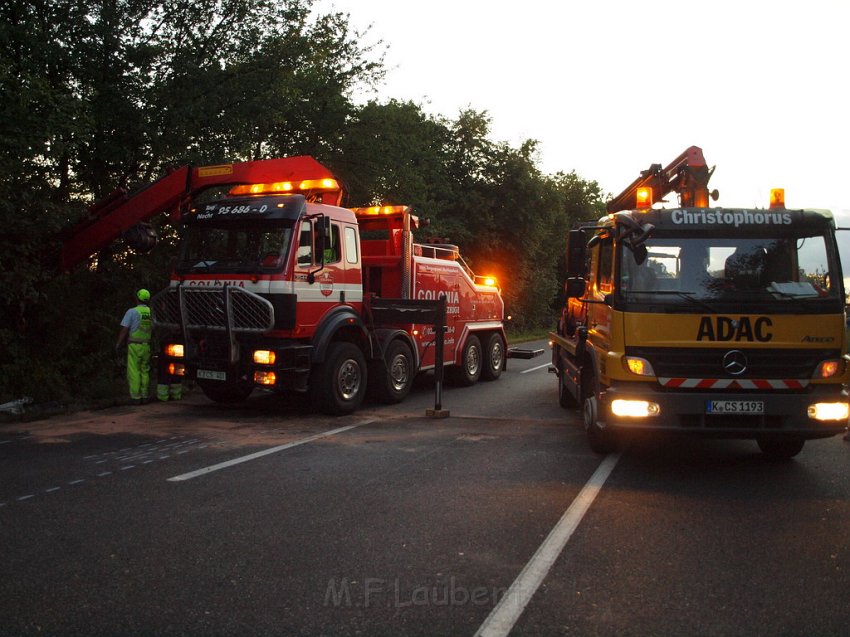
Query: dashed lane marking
{"x": 265, "y": 452}
{"x": 534, "y": 369}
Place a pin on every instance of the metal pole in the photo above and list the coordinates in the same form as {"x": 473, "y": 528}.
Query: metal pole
{"x": 440, "y": 329}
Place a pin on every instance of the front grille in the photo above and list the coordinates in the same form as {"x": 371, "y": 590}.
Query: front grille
{"x": 708, "y": 363}
{"x": 215, "y": 309}
{"x": 728, "y": 421}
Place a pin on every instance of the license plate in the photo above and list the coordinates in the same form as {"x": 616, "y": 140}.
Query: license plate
{"x": 210, "y": 374}
{"x": 743, "y": 407}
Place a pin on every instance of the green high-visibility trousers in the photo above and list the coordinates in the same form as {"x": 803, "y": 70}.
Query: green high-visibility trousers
{"x": 174, "y": 391}
{"x": 138, "y": 369}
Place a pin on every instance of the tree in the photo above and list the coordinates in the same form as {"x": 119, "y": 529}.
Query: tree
{"x": 96, "y": 94}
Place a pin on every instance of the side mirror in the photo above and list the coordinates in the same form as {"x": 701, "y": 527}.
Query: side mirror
{"x": 575, "y": 287}
{"x": 576, "y": 253}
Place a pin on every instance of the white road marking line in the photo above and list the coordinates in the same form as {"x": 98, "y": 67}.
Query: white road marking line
{"x": 129, "y": 466}
{"x": 502, "y": 618}
{"x": 3, "y": 442}
{"x": 24, "y": 497}
{"x": 104, "y": 474}
{"x": 76, "y": 481}
{"x": 264, "y": 452}
{"x": 534, "y": 369}
{"x": 52, "y": 489}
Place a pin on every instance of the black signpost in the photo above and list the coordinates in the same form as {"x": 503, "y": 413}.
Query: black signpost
{"x": 426, "y": 312}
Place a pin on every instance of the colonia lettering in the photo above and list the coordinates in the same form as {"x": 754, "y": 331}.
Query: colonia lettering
{"x": 452, "y": 296}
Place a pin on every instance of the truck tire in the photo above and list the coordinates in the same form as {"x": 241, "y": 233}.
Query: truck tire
{"x": 565, "y": 398}
{"x": 781, "y": 448}
{"x": 391, "y": 384}
{"x": 494, "y": 357}
{"x": 338, "y": 385}
{"x": 469, "y": 370}
{"x": 225, "y": 392}
{"x": 599, "y": 438}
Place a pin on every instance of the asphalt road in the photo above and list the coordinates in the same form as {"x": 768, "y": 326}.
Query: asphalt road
{"x": 193, "y": 518}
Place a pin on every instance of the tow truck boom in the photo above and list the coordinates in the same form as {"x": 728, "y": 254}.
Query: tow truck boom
{"x": 118, "y": 212}
{"x": 687, "y": 175}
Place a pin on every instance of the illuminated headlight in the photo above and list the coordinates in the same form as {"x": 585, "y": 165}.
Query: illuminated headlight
{"x": 175, "y": 350}
{"x": 265, "y": 378}
{"x": 639, "y": 366}
{"x": 829, "y": 411}
{"x": 634, "y": 408}
{"x": 264, "y": 357}
{"x": 176, "y": 369}
{"x": 827, "y": 369}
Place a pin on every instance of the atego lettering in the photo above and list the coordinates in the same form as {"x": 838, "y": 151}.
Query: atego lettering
{"x": 724, "y": 328}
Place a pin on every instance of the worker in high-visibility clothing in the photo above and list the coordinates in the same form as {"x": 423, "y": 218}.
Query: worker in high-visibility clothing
{"x": 169, "y": 386}
{"x": 136, "y": 329}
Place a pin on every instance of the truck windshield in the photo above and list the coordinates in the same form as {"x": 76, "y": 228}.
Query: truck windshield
{"x": 229, "y": 248}
{"x": 767, "y": 273}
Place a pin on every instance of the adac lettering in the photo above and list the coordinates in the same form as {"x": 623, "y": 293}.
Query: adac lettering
{"x": 724, "y": 328}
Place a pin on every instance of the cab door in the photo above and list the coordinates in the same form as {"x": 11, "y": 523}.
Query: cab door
{"x": 319, "y": 271}
{"x": 598, "y": 311}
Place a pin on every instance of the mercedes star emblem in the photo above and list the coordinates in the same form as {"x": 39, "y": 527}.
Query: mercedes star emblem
{"x": 735, "y": 362}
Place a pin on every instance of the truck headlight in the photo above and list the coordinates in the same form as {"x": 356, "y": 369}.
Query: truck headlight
{"x": 176, "y": 369}
{"x": 175, "y": 350}
{"x": 827, "y": 369}
{"x": 264, "y": 357}
{"x": 634, "y": 408}
{"x": 639, "y": 366}
{"x": 829, "y": 411}
{"x": 265, "y": 378}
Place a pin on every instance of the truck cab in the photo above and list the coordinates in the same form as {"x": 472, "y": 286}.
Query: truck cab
{"x": 705, "y": 321}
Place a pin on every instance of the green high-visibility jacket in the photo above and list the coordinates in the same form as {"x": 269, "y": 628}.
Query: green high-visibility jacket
{"x": 143, "y": 333}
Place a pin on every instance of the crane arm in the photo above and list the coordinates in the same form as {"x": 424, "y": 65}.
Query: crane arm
{"x": 687, "y": 175}
{"x": 112, "y": 216}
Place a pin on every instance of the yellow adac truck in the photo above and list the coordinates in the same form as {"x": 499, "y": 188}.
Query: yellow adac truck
{"x": 719, "y": 322}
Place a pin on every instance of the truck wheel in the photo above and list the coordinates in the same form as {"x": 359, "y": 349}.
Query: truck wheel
{"x": 469, "y": 370}
{"x": 494, "y": 357}
{"x": 565, "y": 398}
{"x": 337, "y": 385}
{"x": 392, "y": 385}
{"x": 781, "y": 448}
{"x": 225, "y": 392}
{"x": 600, "y": 440}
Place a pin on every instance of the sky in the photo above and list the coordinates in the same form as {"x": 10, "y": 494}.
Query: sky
{"x": 608, "y": 87}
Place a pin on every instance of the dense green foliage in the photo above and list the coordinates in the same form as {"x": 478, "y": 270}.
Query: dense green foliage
{"x": 99, "y": 94}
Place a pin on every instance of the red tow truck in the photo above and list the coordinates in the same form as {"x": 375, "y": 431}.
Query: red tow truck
{"x": 277, "y": 286}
